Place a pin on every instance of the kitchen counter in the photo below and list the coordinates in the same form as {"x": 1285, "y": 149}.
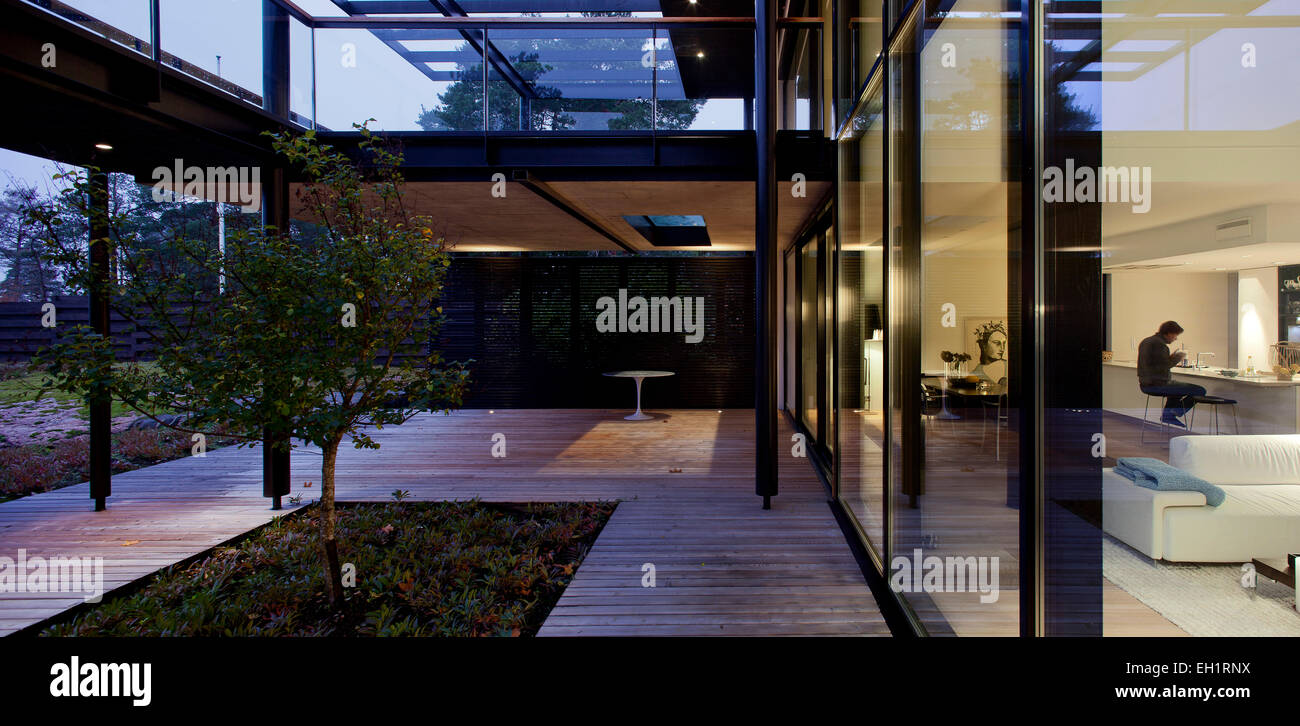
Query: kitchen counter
{"x": 1265, "y": 404}
{"x": 1213, "y": 372}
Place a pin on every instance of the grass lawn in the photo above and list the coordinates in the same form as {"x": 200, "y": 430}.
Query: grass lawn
{"x": 18, "y": 385}
{"x": 456, "y": 569}
{"x": 60, "y": 457}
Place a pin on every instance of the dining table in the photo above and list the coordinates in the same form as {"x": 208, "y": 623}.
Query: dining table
{"x": 962, "y": 388}
{"x": 639, "y": 376}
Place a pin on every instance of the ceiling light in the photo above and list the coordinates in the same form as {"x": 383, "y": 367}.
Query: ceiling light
{"x": 104, "y": 147}
{"x": 1220, "y": 268}
{"x": 700, "y": 54}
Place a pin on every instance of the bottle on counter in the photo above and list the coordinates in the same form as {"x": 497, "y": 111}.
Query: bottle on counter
{"x": 1250, "y": 365}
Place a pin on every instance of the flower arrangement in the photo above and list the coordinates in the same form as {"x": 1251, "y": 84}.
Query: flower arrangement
{"x": 953, "y": 360}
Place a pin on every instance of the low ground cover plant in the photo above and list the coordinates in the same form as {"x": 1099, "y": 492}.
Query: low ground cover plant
{"x": 461, "y": 569}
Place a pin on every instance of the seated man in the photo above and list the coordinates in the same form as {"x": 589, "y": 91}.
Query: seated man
{"x": 1154, "y": 362}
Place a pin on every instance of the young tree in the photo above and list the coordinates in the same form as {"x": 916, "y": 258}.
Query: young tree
{"x": 321, "y": 334}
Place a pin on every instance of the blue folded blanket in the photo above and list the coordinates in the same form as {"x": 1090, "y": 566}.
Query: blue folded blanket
{"x": 1156, "y": 474}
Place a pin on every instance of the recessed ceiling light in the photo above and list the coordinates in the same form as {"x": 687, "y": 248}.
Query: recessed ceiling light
{"x": 1220, "y": 268}
{"x": 1245, "y": 256}
{"x": 1277, "y": 263}
{"x": 104, "y": 147}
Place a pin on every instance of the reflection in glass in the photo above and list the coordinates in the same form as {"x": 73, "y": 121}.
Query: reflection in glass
{"x": 861, "y": 325}
{"x": 1201, "y": 114}
{"x": 810, "y": 304}
{"x": 958, "y": 511}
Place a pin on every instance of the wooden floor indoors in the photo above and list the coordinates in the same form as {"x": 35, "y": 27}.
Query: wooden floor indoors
{"x": 722, "y": 565}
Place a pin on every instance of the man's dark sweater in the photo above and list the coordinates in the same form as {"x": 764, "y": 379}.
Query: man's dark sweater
{"x": 1154, "y": 361}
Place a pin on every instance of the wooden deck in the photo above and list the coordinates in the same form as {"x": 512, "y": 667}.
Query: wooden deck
{"x": 723, "y": 566}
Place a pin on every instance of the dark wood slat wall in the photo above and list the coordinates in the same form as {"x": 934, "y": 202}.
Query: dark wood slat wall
{"x": 21, "y": 333}
{"x": 530, "y": 326}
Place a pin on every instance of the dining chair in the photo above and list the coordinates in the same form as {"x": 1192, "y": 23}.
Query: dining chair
{"x": 1000, "y": 415}
{"x": 931, "y": 404}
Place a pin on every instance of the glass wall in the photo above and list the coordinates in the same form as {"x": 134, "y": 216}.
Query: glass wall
{"x": 1139, "y": 302}
{"x": 861, "y": 405}
{"x": 928, "y": 209}
{"x": 967, "y": 70}
{"x": 1170, "y": 179}
{"x": 810, "y": 305}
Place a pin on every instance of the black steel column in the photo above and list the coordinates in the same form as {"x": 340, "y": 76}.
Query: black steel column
{"x": 1024, "y": 308}
{"x": 275, "y": 442}
{"x": 766, "y": 256}
{"x": 99, "y": 403}
{"x": 275, "y": 212}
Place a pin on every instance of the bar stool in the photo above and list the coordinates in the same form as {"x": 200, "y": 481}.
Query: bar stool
{"x": 1215, "y": 401}
{"x": 1142, "y": 436}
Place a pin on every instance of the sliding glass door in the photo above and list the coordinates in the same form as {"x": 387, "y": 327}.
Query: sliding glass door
{"x": 861, "y": 407}
{"x": 815, "y": 380}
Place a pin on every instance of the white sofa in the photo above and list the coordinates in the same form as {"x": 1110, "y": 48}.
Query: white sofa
{"x": 1259, "y": 518}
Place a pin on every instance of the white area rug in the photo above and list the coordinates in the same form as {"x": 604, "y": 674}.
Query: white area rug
{"x": 1202, "y": 599}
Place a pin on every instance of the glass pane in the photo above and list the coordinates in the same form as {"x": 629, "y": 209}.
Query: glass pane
{"x": 800, "y": 80}
{"x": 861, "y": 325}
{"x": 704, "y": 78}
{"x": 791, "y": 333}
{"x": 828, "y": 340}
{"x": 218, "y": 42}
{"x": 563, "y": 80}
{"x": 958, "y": 517}
{"x": 301, "y": 103}
{"x": 406, "y": 79}
{"x": 809, "y": 306}
{"x": 122, "y": 21}
{"x": 860, "y": 35}
{"x": 1170, "y": 182}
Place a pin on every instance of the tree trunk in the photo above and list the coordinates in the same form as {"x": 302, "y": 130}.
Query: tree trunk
{"x": 328, "y": 520}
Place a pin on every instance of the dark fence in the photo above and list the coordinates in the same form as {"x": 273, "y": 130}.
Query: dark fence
{"x": 529, "y": 323}
{"x": 22, "y": 334}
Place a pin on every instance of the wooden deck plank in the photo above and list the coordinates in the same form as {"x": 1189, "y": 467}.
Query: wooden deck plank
{"x": 684, "y": 482}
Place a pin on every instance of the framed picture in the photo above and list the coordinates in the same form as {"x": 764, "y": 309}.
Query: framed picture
{"x": 986, "y": 340}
